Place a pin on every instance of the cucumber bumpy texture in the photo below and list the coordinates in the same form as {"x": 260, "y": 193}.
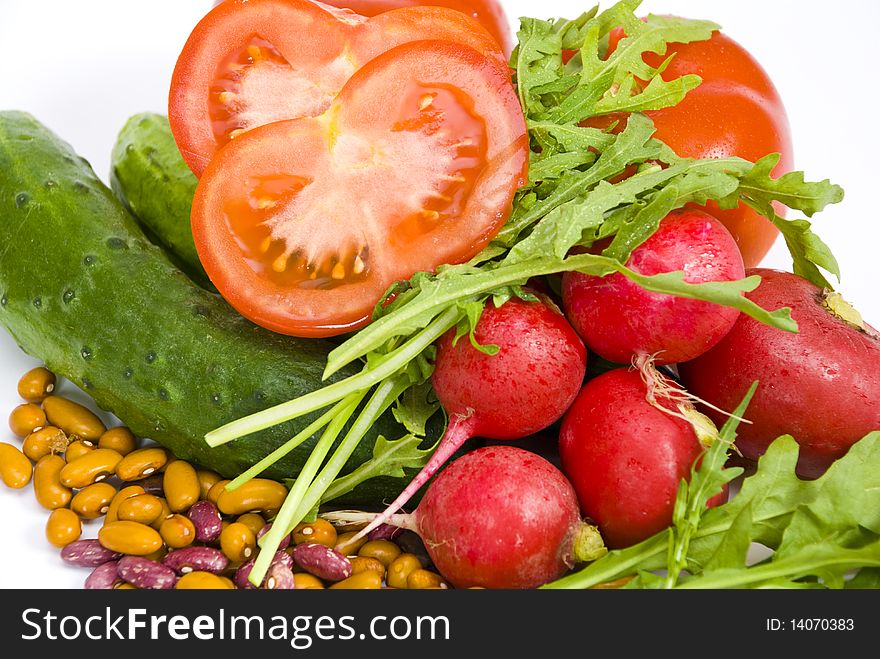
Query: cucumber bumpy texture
{"x": 84, "y": 290}
{"x": 150, "y": 177}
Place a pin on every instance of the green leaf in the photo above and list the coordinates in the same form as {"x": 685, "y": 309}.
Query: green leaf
{"x": 390, "y": 458}
{"x": 820, "y": 528}
{"x": 415, "y": 407}
{"x": 790, "y": 189}
{"x": 733, "y": 548}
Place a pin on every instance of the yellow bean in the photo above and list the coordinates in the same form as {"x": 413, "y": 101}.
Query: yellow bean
{"x": 201, "y": 581}
{"x": 383, "y": 551}
{"x": 238, "y": 542}
{"x": 216, "y": 490}
{"x": 44, "y": 441}
{"x": 63, "y": 527}
{"x": 15, "y": 468}
{"x": 346, "y": 547}
{"x": 93, "y": 501}
{"x": 122, "y": 495}
{"x": 207, "y": 480}
{"x": 143, "y": 508}
{"x": 400, "y": 569}
{"x": 90, "y": 468}
{"x": 130, "y": 538}
{"x": 165, "y": 514}
{"x": 36, "y": 384}
{"x": 77, "y": 449}
{"x": 141, "y": 463}
{"x": 320, "y": 531}
{"x": 368, "y": 580}
{"x": 181, "y": 485}
{"x": 259, "y": 494}
{"x": 177, "y": 531}
{"x": 73, "y": 418}
{"x": 254, "y": 521}
{"x": 120, "y": 439}
{"x": 26, "y": 418}
{"x": 48, "y": 489}
{"x": 366, "y": 563}
{"x": 306, "y": 581}
{"x": 422, "y": 579}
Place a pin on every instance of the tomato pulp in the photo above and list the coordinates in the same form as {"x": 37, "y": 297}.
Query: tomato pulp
{"x": 249, "y": 64}
{"x": 304, "y": 224}
{"x": 489, "y": 13}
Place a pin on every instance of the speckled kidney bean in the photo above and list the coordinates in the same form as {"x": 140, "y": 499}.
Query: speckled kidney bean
{"x": 103, "y": 577}
{"x": 206, "y": 518}
{"x": 285, "y": 541}
{"x": 146, "y": 574}
{"x": 196, "y": 559}
{"x": 279, "y": 577}
{"x": 87, "y": 553}
{"x": 384, "y": 532}
{"x": 321, "y": 561}
{"x": 241, "y": 574}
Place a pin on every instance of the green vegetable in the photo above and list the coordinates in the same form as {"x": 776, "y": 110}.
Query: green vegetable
{"x": 569, "y": 203}
{"x": 818, "y": 530}
{"x": 82, "y": 289}
{"x": 149, "y": 175}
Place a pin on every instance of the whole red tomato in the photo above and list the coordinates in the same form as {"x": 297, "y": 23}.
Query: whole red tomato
{"x": 736, "y": 111}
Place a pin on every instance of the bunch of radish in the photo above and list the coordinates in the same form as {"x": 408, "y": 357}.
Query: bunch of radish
{"x": 503, "y": 517}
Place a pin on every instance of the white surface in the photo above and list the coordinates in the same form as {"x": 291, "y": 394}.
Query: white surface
{"x": 84, "y": 67}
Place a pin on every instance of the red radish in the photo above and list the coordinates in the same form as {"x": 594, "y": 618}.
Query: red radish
{"x": 626, "y": 456}
{"x": 522, "y": 389}
{"x": 500, "y": 517}
{"x": 617, "y": 319}
{"x": 821, "y": 385}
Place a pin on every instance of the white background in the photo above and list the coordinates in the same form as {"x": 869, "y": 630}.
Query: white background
{"x": 84, "y": 67}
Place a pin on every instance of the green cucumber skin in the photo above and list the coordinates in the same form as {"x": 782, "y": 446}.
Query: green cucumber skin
{"x": 151, "y": 178}
{"x": 82, "y": 289}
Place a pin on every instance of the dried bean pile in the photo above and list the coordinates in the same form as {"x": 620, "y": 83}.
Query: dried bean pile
{"x": 168, "y": 524}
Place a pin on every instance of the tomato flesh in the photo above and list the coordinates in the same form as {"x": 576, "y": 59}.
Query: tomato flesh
{"x": 304, "y": 224}
{"x": 489, "y": 13}
{"x": 249, "y": 64}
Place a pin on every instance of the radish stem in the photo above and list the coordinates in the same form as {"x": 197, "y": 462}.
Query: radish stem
{"x": 270, "y": 542}
{"x": 379, "y": 402}
{"x": 290, "y": 444}
{"x": 372, "y": 374}
{"x": 460, "y": 430}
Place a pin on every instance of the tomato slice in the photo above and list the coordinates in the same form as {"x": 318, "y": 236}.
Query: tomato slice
{"x": 251, "y": 63}
{"x": 489, "y": 13}
{"x": 304, "y": 224}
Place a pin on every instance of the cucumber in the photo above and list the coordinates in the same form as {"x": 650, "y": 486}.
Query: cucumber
{"x": 84, "y": 290}
{"x": 151, "y": 178}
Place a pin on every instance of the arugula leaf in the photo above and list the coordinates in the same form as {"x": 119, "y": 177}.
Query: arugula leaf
{"x": 414, "y": 407}
{"x": 818, "y": 529}
{"x": 706, "y": 481}
{"x": 390, "y": 458}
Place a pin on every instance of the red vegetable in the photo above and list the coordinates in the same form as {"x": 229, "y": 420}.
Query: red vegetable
{"x": 626, "y": 456}
{"x": 502, "y": 517}
{"x": 303, "y": 225}
{"x": 522, "y": 389}
{"x": 820, "y": 385}
{"x": 489, "y": 13}
{"x": 736, "y": 111}
{"x": 618, "y": 320}
{"x": 250, "y": 63}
